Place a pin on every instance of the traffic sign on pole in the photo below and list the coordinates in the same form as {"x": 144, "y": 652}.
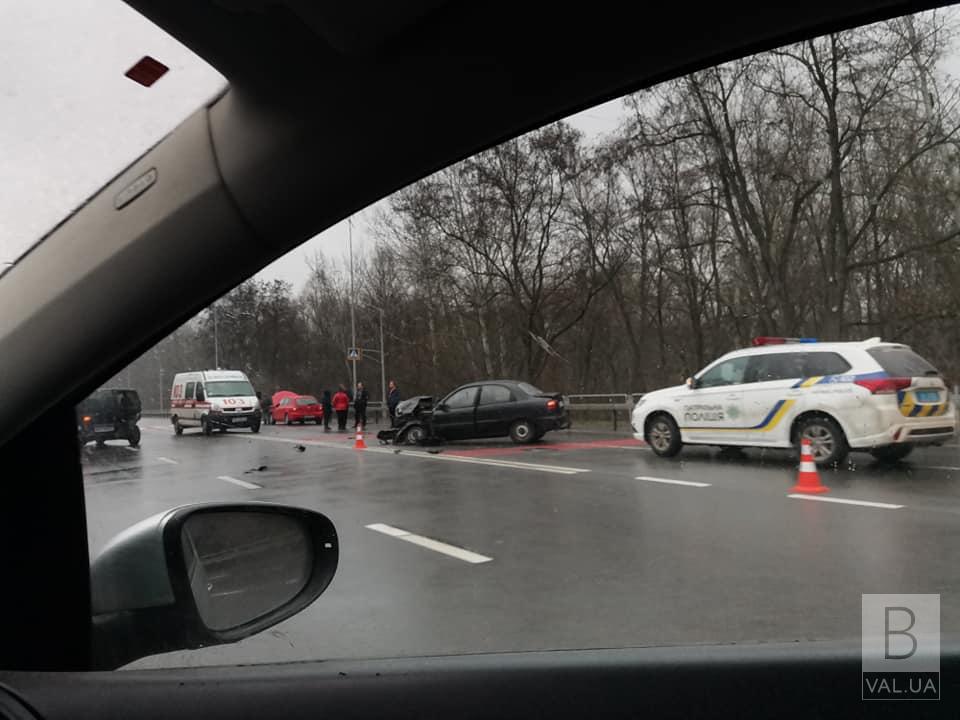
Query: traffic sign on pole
{"x": 354, "y": 354}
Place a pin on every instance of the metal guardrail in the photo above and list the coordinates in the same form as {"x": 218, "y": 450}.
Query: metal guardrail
{"x": 613, "y": 403}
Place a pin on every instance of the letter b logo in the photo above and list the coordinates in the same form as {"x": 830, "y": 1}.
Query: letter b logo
{"x": 900, "y": 614}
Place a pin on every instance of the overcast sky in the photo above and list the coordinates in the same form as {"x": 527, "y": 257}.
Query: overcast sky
{"x": 70, "y": 120}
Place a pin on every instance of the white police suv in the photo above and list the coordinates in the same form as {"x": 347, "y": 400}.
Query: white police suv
{"x": 870, "y": 395}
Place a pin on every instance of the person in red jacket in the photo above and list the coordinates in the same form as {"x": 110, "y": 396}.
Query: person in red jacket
{"x": 341, "y": 404}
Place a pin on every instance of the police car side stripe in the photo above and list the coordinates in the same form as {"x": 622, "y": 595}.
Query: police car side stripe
{"x": 812, "y": 381}
{"x": 772, "y": 419}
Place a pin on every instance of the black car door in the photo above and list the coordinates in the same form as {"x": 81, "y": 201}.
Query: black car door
{"x": 453, "y": 418}
{"x": 496, "y": 411}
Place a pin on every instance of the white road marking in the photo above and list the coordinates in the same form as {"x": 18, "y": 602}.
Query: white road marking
{"x": 559, "y": 470}
{"x": 843, "y": 501}
{"x": 391, "y": 450}
{"x": 168, "y": 460}
{"x": 241, "y": 483}
{"x": 935, "y": 467}
{"x": 668, "y": 481}
{"x": 131, "y": 449}
{"x": 435, "y": 545}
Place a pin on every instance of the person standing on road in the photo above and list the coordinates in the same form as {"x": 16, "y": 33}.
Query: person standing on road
{"x": 266, "y": 407}
{"x": 327, "y": 404}
{"x": 360, "y": 406}
{"x": 393, "y": 399}
{"x": 341, "y": 404}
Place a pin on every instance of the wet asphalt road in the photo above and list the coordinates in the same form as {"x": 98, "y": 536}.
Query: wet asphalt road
{"x": 574, "y": 543}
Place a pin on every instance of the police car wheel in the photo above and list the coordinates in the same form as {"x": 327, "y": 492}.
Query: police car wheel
{"x": 663, "y": 435}
{"x": 827, "y": 442}
{"x": 891, "y": 453}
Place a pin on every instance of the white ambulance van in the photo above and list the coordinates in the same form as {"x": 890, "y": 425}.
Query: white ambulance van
{"x": 213, "y": 399}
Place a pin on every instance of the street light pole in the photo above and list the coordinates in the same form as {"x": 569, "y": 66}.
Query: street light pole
{"x": 353, "y": 314}
{"x": 383, "y": 367}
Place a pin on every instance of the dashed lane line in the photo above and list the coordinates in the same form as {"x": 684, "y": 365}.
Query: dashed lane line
{"x": 430, "y": 544}
{"x": 670, "y": 481}
{"x": 168, "y": 461}
{"x": 241, "y": 483}
{"x": 845, "y": 501}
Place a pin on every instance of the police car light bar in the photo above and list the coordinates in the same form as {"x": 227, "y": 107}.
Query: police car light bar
{"x": 765, "y": 340}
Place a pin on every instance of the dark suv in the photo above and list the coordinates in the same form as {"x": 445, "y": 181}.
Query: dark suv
{"x": 109, "y": 414}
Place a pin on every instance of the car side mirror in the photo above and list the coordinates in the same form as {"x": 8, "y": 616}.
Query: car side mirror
{"x": 206, "y": 574}
{"x": 693, "y": 383}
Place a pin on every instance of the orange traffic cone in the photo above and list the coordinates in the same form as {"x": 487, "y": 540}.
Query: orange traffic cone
{"x": 358, "y": 443}
{"x": 808, "y": 481}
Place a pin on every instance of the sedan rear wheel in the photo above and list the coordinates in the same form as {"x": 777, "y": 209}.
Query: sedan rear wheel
{"x": 523, "y": 431}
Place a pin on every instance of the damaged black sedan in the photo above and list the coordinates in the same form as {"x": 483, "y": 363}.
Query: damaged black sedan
{"x": 488, "y": 409}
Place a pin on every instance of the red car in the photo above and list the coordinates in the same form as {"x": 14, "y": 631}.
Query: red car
{"x": 296, "y": 408}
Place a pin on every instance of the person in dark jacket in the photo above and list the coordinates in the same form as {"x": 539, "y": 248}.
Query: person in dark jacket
{"x": 327, "y": 404}
{"x": 360, "y": 400}
{"x": 393, "y": 399}
{"x": 341, "y": 405}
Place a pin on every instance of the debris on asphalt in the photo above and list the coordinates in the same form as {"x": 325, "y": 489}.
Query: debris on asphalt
{"x": 259, "y": 468}
{"x": 433, "y": 451}
{"x": 299, "y": 448}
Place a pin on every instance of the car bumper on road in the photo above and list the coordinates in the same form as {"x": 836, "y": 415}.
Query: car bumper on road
{"x": 234, "y": 420}
{"x": 561, "y": 422}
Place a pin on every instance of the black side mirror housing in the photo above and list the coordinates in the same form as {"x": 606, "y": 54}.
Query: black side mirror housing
{"x": 206, "y": 574}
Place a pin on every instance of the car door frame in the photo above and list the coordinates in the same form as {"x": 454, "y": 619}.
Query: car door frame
{"x": 499, "y": 426}
{"x": 768, "y": 404}
{"x": 703, "y": 412}
{"x": 457, "y": 430}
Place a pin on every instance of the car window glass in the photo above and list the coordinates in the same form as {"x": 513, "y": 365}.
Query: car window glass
{"x": 729, "y": 372}
{"x": 902, "y": 362}
{"x": 530, "y": 389}
{"x": 824, "y": 363}
{"x": 188, "y": 393}
{"x": 778, "y": 366}
{"x": 490, "y": 394}
{"x": 462, "y": 398}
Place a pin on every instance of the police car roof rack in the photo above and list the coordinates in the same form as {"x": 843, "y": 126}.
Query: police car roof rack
{"x": 767, "y": 340}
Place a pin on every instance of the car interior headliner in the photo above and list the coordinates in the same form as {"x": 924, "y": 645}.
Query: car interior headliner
{"x": 331, "y": 106}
